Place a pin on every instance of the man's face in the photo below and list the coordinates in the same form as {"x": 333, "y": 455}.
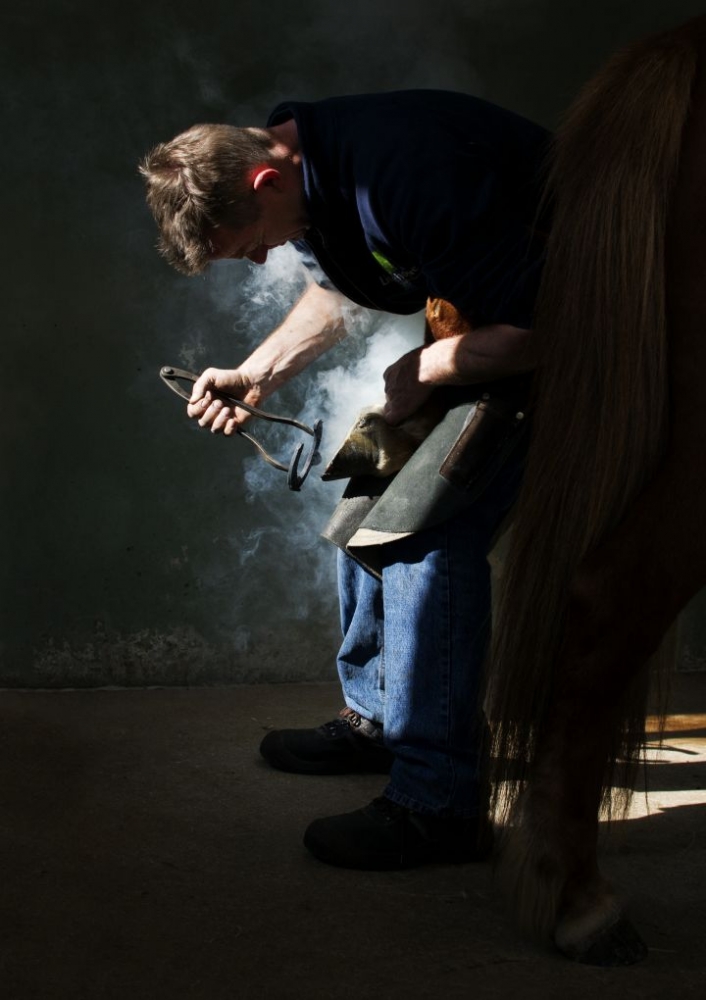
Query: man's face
{"x": 274, "y": 227}
{"x": 237, "y": 244}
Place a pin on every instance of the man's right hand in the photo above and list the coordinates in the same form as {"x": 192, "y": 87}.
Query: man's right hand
{"x": 210, "y": 411}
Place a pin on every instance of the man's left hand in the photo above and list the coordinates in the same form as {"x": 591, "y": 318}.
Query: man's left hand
{"x": 404, "y": 392}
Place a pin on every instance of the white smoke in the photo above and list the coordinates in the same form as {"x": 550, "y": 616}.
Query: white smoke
{"x": 333, "y": 390}
{"x": 341, "y": 392}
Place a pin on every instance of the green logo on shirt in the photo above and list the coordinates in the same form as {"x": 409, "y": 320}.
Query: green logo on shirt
{"x": 403, "y": 276}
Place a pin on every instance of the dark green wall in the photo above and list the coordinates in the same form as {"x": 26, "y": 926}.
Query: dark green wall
{"x": 136, "y": 549}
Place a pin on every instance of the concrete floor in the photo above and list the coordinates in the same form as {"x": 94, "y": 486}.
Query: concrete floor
{"x": 147, "y": 852}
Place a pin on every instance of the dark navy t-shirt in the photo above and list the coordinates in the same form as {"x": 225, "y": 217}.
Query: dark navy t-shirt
{"x": 423, "y": 193}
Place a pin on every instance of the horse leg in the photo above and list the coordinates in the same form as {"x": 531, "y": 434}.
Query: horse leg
{"x": 550, "y": 857}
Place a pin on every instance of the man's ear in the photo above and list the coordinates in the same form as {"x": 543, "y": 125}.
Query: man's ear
{"x": 266, "y": 177}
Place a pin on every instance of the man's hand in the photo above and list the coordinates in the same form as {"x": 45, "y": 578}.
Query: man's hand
{"x": 481, "y": 355}
{"x": 404, "y": 391}
{"x": 215, "y": 413}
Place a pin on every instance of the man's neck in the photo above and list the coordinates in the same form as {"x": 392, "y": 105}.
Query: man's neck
{"x": 286, "y": 141}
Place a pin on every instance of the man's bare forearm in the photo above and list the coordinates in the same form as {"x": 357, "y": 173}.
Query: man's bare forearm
{"x": 481, "y": 355}
{"x": 484, "y": 354}
{"x": 315, "y": 324}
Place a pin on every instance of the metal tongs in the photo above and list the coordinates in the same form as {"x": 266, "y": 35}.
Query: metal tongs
{"x": 295, "y": 478}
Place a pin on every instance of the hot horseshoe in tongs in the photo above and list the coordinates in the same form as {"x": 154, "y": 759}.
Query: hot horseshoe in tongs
{"x": 295, "y": 477}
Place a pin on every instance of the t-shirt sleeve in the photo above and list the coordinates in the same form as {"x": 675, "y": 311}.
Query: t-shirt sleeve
{"x": 312, "y": 265}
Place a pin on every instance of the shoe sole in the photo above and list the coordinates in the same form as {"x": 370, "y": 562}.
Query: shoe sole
{"x": 389, "y": 861}
{"x": 379, "y": 863}
{"x": 278, "y": 756}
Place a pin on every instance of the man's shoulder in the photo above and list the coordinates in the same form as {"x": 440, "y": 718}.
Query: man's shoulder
{"x": 393, "y": 103}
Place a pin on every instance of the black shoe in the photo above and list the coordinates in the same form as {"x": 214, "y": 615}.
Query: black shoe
{"x": 348, "y": 745}
{"x": 385, "y": 836}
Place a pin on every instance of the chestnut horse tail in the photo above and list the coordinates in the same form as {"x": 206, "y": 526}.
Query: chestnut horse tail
{"x": 601, "y": 408}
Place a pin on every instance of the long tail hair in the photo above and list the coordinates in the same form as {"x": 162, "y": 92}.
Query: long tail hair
{"x": 601, "y": 409}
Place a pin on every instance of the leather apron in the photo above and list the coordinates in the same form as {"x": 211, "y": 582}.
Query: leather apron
{"x": 483, "y": 424}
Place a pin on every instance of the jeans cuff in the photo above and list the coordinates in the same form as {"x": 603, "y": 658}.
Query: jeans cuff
{"x": 363, "y": 712}
{"x": 423, "y": 809}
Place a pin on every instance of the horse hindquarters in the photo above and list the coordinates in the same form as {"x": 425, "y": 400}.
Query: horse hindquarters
{"x": 646, "y": 554}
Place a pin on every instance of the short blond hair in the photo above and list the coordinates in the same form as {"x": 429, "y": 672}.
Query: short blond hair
{"x": 196, "y": 182}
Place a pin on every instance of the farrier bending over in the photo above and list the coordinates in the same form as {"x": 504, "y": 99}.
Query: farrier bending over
{"x": 395, "y": 199}
{"x": 272, "y": 195}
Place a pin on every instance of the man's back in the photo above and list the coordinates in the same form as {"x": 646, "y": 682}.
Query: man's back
{"x": 423, "y": 193}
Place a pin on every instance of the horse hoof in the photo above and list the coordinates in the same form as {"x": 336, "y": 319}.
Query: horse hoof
{"x": 617, "y": 944}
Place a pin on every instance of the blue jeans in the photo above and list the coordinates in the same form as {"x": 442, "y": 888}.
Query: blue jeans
{"x": 413, "y": 650}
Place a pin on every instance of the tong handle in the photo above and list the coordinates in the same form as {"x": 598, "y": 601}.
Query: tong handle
{"x": 295, "y": 478}
{"x": 170, "y": 375}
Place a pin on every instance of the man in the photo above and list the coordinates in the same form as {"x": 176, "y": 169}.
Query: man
{"x": 396, "y": 199}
